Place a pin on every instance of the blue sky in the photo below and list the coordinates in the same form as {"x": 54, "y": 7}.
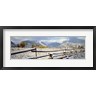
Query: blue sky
{"x": 58, "y": 39}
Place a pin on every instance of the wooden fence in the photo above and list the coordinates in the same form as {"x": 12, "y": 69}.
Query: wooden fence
{"x": 51, "y": 54}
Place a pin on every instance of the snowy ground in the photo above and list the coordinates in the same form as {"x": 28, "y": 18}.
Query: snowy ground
{"x": 70, "y": 55}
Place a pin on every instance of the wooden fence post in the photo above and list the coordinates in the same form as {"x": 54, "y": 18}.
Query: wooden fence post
{"x": 51, "y": 57}
{"x": 36, "y": 52}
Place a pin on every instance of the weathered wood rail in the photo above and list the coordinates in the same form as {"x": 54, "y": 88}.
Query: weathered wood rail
{"x": 23, "y": 51}
{"x": 50, "y": 54}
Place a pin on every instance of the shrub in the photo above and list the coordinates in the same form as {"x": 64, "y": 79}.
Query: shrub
{"x": 38, "y": 46}
{"x": 22, "y": 44}
{"x": 42, "y": 46}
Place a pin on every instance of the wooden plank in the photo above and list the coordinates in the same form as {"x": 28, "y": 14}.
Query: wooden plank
{"x": 22, "y": 51}
{"x": 33, "y": 50}
{"x": 48, "y": 51}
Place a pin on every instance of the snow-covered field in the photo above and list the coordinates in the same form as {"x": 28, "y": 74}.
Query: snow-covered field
{"x": 75, "y": 54}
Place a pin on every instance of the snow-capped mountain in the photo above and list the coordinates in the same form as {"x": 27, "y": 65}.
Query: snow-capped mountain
{"x": 42, "y": 43}
{"x": 75, "y": 40}
{"x": 54, "y": 44}
{"x": 70, "y": 43}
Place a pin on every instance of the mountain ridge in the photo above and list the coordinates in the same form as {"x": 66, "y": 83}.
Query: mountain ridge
{"x": 29, "y": 43}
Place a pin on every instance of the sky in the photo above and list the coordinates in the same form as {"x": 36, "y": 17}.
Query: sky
{"x": 58, "y": 39}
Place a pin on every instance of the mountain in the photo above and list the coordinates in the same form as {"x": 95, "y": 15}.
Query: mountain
{"x": 13, "y": 44}
{"x": 42, "y": 43}
{"x": 53, "y": 44}
{"x": 75, "y": 40}
{"x": 71, "y": 44}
